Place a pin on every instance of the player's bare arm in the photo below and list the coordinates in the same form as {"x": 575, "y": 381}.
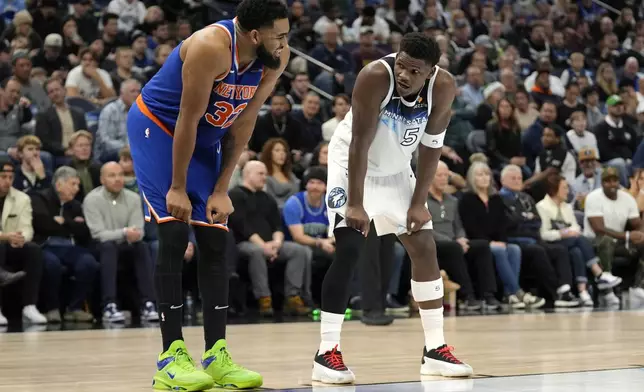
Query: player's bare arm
{"x": 442, "y": 97}
{"x": 237, "y": 137}
{"x": 198, "y": 78}
{"x": 371, "y": 87}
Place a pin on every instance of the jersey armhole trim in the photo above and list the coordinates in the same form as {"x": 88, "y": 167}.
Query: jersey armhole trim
{"x": 391, "y": 84}
{"x": 430, "y": 88}
{"x": 223, "y": 75}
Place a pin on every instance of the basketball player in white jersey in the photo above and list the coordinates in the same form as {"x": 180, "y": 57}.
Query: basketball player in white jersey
{"x": 400, "y": 102}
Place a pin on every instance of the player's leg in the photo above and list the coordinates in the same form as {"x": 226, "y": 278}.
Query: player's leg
{"x": 148, "y": 142}
{"x": 328, "y": 366}
{"x": 213, "y": 284}
{"x": 427, "y": 289}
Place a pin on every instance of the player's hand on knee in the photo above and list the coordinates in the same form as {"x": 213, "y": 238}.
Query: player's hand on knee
{"x": 178, "y": 204}
{"x": 219, "y": 207}
{"x": 417, "y": 217}
{"x": 358, "y": 219}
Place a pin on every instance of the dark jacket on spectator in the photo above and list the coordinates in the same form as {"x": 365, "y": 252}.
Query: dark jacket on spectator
{"x": 502, "y": 144}
{"x": 46, "y": 205}
{"x": 615, "y": 142}
{"x": 22, "y": 183}
{"x": 255, "y": 213}
{"x": 50, "y": 130}
{"x": 531, "y": 141}
{"x": 523, "y": 217}
{"x": 11, "y": 123}
{"x": 267, "y": 127}
{"x": 61, "y": 63}
{"x": 481, "y": 221}
{"x": 340, "y": 60}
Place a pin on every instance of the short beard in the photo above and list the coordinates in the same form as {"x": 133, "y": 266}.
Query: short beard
{"x": 267, "y": 58}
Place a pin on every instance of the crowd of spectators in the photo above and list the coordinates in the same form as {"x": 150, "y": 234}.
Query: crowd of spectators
{"x": 537, "y": 199}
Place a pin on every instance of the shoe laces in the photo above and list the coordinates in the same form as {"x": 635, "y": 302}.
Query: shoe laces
{"x": 334, "y": 359}
{"x": 227, "y": 359}
{"x": 446, "y": 353}
{"x": 183, "y": 360}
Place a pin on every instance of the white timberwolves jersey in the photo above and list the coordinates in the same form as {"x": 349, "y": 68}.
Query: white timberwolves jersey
{"x": 400, "y": 127}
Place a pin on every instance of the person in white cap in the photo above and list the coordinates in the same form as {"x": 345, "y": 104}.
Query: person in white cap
{"x": 50, "y": 57}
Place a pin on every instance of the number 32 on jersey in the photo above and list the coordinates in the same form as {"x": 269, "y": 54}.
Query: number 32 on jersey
{"x": 225, "y": 114}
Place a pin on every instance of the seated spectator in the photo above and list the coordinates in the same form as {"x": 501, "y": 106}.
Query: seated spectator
{"x": 15, "y": 113}
{"x": 278, "y": 122}
{"x": 606, "y": 81}
{"x": 569, "y": 105}
{"x": 367, "y": 51}
{"x": 21, "y": 26}
{"x": 130, "y": 13}
{"x": 594, "y": 114}
{"x": 576, "y": 69}
{"x": 553, "y": 158}
{"x": 637, "y": 188}
{"x": 531, "y": 140}
{"x": 31, "y": 175}
{"x": 559, "y": 225}
{"x": 61, "y": 231}
{"x": 523, "y": 230}
{"x": 29, "y": 88}
{"x": 124, "y": 59}
{"x": 335, "y": 56}
{"x": 51, "y": 56}
{"x": 115, "y": 219}
{"x": 456, "y": 251}
{"x": 244, "y": 157}
{"x": 483, "y": 214}
{"x": 613, "y": 222}
{"x": 472, "y": 91}
{"x": 310, "y": 125}
{"x": 281, "y": 182}
{"x": 89, "y": 172}
{"x": 72, "y": 40}
{"x": 140, "y": 49}
{"x": 299, "y": 89}
{"x": 525, "y": 111}
{"x": 541, "y": 91}
{"x": 56, "y": 125}
{"x": 617, "y": 140}
{"x": 590, "y": 177}
{"x": 125, "y": 160}
{"x": 341, "y": 106}
{"x": 553, "y": 83}
{"x": 111, "y": 136}
{"x": 17, "y": 251}
{"x": 305, "y": 217}
{"x": 503, "y": 137}
{"x": 492, "y": 94}
{"x": 257, "y": 225}
{"x": 89, "y": 81}
{"x": 161, "y": 54}
{"x": 579, "y": 137}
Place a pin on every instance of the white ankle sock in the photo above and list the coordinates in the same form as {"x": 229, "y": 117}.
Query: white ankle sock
{"x": 433, "y": 326}
{"x": 330, "y": 328}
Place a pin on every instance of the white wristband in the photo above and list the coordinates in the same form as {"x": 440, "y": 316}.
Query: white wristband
{"x": 628, "y": 239}
{"x": 433, "y": 141}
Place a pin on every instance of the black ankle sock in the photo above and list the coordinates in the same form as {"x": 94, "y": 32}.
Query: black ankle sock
{"x": 173, "y": 240}
{"x": 213, "y": 281}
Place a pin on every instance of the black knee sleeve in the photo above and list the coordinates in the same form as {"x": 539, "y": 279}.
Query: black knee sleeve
{"x": 335, "y": 288}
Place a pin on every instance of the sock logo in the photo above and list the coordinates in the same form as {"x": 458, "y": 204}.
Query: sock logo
{"x": 176, "y": 306}
{"x": 162, "y": 317}
{"x": 221, "y": 307}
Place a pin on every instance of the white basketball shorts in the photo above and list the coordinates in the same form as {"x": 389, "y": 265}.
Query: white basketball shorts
{"x": 386, "y": 199}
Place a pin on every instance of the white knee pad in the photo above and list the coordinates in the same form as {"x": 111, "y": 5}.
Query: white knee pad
{"x": 427, "y": 291}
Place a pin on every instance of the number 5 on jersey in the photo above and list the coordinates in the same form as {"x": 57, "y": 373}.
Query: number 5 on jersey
{"x": 410, "y": 137}
{"x": 225, "y": 114}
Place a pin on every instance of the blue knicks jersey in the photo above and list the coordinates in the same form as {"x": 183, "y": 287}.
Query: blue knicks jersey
{"x": 229, "y": 97}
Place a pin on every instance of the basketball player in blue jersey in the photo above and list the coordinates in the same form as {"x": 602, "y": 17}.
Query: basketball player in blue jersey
{"x": 186, "y": 132}
{"x": 400, "y": 103}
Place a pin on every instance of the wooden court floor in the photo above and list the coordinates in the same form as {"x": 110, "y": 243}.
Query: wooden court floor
{"x": 501, "y": 345}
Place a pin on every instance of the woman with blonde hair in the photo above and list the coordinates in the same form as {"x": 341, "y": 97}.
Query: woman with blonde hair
{"x": 484, "y": 217}
{"x": 606, "y": 81}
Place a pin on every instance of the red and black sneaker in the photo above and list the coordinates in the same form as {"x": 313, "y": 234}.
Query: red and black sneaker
{"x": 441, "y": 362}
{"x": 329, "y": 368}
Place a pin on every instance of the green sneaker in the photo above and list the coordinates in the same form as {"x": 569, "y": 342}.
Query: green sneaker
{"x": 219, "y": 365}
{"x": 177, "y": 371}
